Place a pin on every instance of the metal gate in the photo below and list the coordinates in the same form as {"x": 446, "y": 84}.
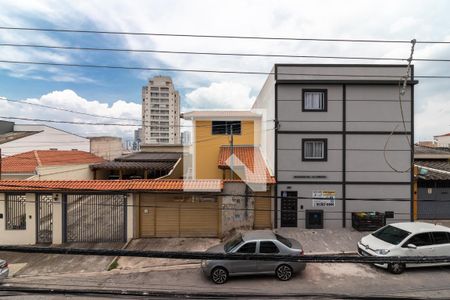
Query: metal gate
{"x": 44, "y": 220}
{"x": 95, "y": 217}
{"x": 289, "y": 208}
{"x": 433, "y": 200}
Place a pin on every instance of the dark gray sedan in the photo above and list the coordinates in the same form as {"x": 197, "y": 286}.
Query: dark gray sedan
{"x": 254, "y": 242}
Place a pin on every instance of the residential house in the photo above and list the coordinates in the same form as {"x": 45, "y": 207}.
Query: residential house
{"x": 19, "y": 138}
{"x": 432, "y": 201}
{"x": 442, "y": 140}
{"x": 225, "y": 145}
{"x": 49, "y": 165}
{"x": 140, "y": 165}
{"x": 340, "y": 140}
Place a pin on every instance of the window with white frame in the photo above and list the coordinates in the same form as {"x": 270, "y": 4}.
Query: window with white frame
{"x": 314, "y": 149}
{"x": 314, "y": 100}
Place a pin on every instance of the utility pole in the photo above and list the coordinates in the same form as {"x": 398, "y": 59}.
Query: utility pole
{"x": 0, "y": 163}
{"x": 231, "y": 151}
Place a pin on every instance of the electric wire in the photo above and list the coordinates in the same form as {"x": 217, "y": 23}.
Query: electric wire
{"x": 220, "y": 53}
{"x": 250, "y": 37}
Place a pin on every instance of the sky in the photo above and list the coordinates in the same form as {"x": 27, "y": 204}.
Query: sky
{"x": 116, "y": 93}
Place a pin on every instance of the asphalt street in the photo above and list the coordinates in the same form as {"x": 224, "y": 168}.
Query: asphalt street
{"x": 317, "y": 279}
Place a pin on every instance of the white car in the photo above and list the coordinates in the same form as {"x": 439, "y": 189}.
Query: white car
{"x": 406, "y": 239}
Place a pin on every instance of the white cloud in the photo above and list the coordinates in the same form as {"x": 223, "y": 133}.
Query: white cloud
{"x": 405, "y": 19}
{"x": 68, "y": 99}
{"x": 228, "y": 95}
{"x": 434, "y": 117}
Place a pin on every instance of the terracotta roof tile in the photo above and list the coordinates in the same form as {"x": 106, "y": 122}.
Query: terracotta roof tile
{"x": 28, "y": 161}
{"x": 201, "y": 185}
{"x": 256, "y": 170}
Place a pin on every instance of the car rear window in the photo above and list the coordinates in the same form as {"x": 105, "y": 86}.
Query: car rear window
{"x": 283, "y": 240}
{"x": 390, "y": 234}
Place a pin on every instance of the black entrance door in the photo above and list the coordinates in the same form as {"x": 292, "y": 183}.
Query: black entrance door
{"x": 289, "y": 208}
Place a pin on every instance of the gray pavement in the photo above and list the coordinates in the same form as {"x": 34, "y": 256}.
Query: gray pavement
{"x": 348, "y": 279}
{"x": 163, "y": 244}
{"x": 325, "y": 240}
{"x": 41, "y": 263}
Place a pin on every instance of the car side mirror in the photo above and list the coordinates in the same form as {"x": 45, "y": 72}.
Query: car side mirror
{"x": 411, "y": 246}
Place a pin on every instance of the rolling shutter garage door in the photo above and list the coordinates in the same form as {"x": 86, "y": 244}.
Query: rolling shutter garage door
{"x": 175, "y": 216}
{"x": 263, "y": 211}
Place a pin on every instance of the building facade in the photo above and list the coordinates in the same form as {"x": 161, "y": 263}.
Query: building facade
{"x": 339, "y": 143}
{"x": 160, "y": 112}
{"x": 19, "y": 138}
{"x": 442, "y": 140}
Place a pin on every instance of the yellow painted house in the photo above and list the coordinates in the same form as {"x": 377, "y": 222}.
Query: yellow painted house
{"x": 215, "y": 129}
{"x": 225, "y": 140}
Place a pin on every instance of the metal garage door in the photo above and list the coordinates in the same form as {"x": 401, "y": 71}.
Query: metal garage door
{"x": 433, "y": 201}
{"x": 94, "y": 217}
{"x": 263, "y": 211}
{"x": 169, "y": 216}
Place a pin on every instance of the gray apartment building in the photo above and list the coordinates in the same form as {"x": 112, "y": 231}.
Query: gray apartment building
{"x": 337, "y": 138}
{"x": 160, "y": 112}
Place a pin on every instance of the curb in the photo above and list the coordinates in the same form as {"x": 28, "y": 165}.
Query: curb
{"x": 116, "y": 258}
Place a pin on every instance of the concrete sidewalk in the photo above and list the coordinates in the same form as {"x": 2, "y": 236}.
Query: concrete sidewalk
{"x": 321, "y": 241}
{"x": 325, "y": 241}
{"x": 164, "y": 244}
{"x": 42, "y": 263}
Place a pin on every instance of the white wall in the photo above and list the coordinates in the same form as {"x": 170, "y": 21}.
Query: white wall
{"x": 442, "y": 141}
{"x": 66, "y": 172}
{"x": 47, "y": 138}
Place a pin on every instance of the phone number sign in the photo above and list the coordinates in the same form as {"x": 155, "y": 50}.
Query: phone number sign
{"x": 324, "y": 198}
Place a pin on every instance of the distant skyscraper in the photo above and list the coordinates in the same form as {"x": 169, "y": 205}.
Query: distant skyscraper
{"x": 160, "y": 112}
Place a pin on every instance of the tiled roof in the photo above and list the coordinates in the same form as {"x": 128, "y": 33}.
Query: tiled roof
{"x": 135, "y": 165}
{"x": 151, "y": 156}
{"x": 435, "y": 169}
{"x": 28, "y": 161}
{"x": 200, "y": 185}
{"x": 256, "y": 170}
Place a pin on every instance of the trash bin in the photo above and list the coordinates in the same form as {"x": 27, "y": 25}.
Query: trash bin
{"x": 368, "y": 221}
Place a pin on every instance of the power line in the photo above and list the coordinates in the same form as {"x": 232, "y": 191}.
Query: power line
{"x": 247, "y": 37}
{"x": 214, "y": 71}
{"x": 66, "y": 110}
{"x": 221, "y": 53}
{"x": 309, "y": 258}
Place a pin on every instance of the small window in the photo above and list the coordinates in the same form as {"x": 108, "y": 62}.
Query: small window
{"x": 314, "y": 100}
{"x": 247, "y": 248}
{"x": 419, "y": 240}
{"x": 15, "y": 211}
{"x": 314, "y": 149}
{"x": 226, "y": 127}
{"x": 268, "y": 247}
{"x": 441, "y": 237}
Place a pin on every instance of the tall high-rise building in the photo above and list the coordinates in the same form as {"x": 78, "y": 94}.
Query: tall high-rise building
{"x": 160, "y": 112}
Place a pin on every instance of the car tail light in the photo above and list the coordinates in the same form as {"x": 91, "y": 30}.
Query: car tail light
{"x": 302, "y": 252}
{"x": 5, "y": 265}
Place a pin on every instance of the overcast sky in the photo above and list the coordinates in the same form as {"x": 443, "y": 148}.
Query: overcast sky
{"x": 117, "y": 92}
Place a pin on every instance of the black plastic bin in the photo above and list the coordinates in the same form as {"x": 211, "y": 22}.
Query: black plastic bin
{"x": 368, "y": 221}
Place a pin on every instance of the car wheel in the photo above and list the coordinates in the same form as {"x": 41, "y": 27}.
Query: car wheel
{"x": 219, "y": 275}
{"x": 396, "y": 268}
{"x": 284, "y": 272}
